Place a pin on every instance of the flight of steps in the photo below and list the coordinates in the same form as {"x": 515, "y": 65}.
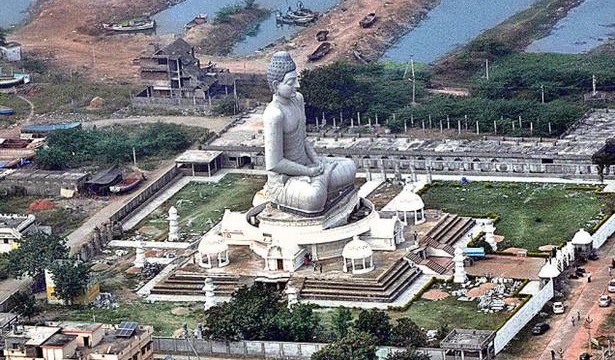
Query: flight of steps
{"x": 192, "y": 284}
{"x": 432, "y": 265}
{"x": 386, "y": 288}
{"x": 449, "y": 229}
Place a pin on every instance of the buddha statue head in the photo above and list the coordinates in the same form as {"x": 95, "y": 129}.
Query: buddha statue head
{"x": 282, "y": 75}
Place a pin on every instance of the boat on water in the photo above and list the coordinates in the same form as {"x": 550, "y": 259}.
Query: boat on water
{"x": 128, "y": 183}
{"x": 6, "y": 111}
{"x": 15, "y": 79}
{"x": 368, "y": 20}
{"x": 357, "y": 54}
{"x": 321, "y": 51}
{"x": 300, "y": 16}
{"x": 136, "y": 24}
{"x": 198, "y": 20}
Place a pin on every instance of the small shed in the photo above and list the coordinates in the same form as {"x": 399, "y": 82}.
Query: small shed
{"x": 469, "y": 344}
{"x": 100, "y": 182}
{"x": 199, "y": 162}
{"x": 41, "y": 131}
{"x": 583, "y": 243}
{"x": 11, "y": 51}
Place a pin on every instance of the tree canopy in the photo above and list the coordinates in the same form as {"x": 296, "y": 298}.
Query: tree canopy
{"x": 35, "y": 253}
{"x": 70, "y": 279}
{"x": 355, "y": 346}
{"x": 25, "y": 304}
{"x": 375, "y": 322}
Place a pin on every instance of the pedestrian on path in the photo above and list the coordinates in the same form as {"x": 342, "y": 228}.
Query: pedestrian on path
{"x": 573, "y": 321}
{"x": 552, "y": 354}
{"x": 578, "y": 316}
{"x": 320, "y": 267}
{"x": 609, "y": 270}
{"x": 589, "y": 277}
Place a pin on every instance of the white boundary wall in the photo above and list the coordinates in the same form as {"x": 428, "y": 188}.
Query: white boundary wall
{"x": 523, "y": 316}
{"x": 604, "y": 232}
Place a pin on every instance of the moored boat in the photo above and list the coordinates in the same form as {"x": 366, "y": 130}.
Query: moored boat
{"x": 322, "y": 35}
{"x": 137, "y": 24}
{"x": 6, "y": 111}
{"x": 368, "y": 20}
{"x": 357, "y": 54}
{"x": 127, "y": 183}
{"x": 321, "y": 51}
{"x": 198, "y": 20}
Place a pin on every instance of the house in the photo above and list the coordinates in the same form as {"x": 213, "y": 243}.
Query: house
{"x": 12, "y": 228}
{"x": 87, "y": 341}
{"x": 11, "y": 51}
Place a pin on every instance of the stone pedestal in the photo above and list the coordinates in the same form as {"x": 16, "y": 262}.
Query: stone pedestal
{"x": 293, "y": 295}
{"x": 490, "y": 235}
{"x": 460, "y": 273}
{"x": 173, "y": 224}
{"x": 208, "y": 289}
{"x": 140, "y": 257}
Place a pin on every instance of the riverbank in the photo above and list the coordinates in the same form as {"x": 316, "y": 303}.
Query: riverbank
{"x": 218, "y": 38}
{"x": 511, "y": 36}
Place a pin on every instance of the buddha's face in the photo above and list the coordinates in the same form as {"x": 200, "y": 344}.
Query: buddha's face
{"x": 287, "y": 88}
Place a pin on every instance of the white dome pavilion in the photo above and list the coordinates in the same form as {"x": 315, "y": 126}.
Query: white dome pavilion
{"x": 359, "y": 255}
{"x": 549, "y": 271}
{"x": 407, "y": 201}
{"x": 582, "y": 237}
{"x": 213, "y": 246}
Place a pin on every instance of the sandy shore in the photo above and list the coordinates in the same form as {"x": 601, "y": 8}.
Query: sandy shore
{"x": 62, "y": 30}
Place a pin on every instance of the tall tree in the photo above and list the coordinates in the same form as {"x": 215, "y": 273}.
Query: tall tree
{"x": 408, "y": 354}
{"x": 355, "y": 346}
{"x": 375, "y": 322}
{"x": 341, "y": 319}
{"x": 300, "y": 324}
{"x": 70, "y": 280}
{"x": 407, "y": 333}
{"x": 35, "y": 253}
{"x": 25, "y": 304}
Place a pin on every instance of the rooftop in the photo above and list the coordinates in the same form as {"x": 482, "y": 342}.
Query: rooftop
{"x": 16, "y": 221}
{"x": 112, "y": 344}
{"x": 33, "y": 335}
{"x": 59, "y": 340}
{"x": 198, "y": 156}
{"x": 467, "y": 339}
{"x": 75, "y": 326}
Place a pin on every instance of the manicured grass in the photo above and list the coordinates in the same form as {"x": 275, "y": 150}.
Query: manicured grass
{"x": 531, "y": 215}
{"x": 432, "y": 314}
{"x": 156, "y": 314}
{"x": 200, "y": 205}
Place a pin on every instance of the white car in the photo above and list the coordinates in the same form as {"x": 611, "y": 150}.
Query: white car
{"x": 604, "y": 301}
{"x": 611, "y": 287}
{"x": 558, "y": 307}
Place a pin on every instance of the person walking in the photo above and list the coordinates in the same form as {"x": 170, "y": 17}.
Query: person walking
{"x": 608, "y": 268}
{"x": 573, "y": 321}
{"x": 578, "y": 316}
{"x": 320, "y": 267}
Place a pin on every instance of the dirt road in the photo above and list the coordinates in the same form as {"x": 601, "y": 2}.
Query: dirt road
{"x": 62, "y": 31}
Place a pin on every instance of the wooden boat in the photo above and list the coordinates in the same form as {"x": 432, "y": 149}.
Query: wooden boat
{"x": 368, "y": 20}
{"x": 322, "y": 35}
{"x": 198, "y": 20}
{"x": 322, "y": 50}
{"x": 127, "y": 183}
{"x": 293, "y": 20}
{"x": 6, "y": 111}
{"x": 360, "y": 57}
{"x": 137, "y": 24}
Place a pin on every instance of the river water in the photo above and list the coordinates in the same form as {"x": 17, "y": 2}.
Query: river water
{"x": 13, "y": 12}
{"x": 586, "y": 27}
{"x": 173, "y": 19}
{"x": 450, "y": 24}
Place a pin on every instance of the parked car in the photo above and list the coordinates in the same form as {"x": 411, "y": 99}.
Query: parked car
{"x": 540, "y": 328}
{"x": 611, "y": 287}
{"x": 585, "y": 356}
{"x": 604, "y": 301}
{"x": 558, "y": 307}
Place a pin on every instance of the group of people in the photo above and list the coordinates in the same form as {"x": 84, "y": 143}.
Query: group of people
{"x": 307, "y": 260}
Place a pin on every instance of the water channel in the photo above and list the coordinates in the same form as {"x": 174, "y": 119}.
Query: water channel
{"x": 450, "y": 24}
{"x": 173, "y": 19}
{"x": 586, "y": 27}
{"x": 13, "y": 12}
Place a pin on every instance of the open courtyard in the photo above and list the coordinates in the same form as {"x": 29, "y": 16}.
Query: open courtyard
{"x": 530, "y": 215}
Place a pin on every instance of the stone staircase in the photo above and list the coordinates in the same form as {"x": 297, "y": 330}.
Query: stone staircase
{"x": 386, "y": 288}
{"x": 432, "y": 265}
{"x": 192, "y": 284}
{"x": 447, "y": 231}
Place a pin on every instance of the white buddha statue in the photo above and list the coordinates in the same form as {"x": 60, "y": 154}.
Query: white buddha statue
{"x": 298, "y": 178}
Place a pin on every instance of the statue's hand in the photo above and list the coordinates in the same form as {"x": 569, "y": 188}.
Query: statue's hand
{"x": 316, "y": 170}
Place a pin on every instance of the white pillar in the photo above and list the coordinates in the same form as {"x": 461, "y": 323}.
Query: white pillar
{"x": 140, "y": 258}
{"x": 460, "y": 273}
{"x": 173, "y": 224}
{"x": 208, "y": 289}
{"x": 490, "y": 234}
{"x": 293, "y": 295}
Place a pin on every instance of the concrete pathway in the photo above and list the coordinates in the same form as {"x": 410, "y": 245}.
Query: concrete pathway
{"x": 369, "y": 187}
{"x": 573, "y": 339}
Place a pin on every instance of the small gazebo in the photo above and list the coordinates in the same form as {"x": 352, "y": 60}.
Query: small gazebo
{"x": 358, "y": 256}
{"x": 213, "y": 248}
{"x": 407, "y": 201}
{"x": 582, "y": 242}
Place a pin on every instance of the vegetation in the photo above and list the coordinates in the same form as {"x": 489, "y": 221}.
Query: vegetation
{"x": 201, "y": 205}
{"x": 35, "y": 253}
{"x": 73, "y": 148}
{"x": 3, "y": 33}
{"x": 226, "y": 12}
{"x": 25, "y": 304}
{"x": 354, "y": 346}
{"x": 531, "y": 215}
{"x": 408, "y": 354}
{"x": 70, "y": 280}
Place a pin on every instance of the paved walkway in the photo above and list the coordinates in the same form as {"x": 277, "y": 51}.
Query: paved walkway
{"x": 369, "y": 187}
{"x": 584, "y": 301}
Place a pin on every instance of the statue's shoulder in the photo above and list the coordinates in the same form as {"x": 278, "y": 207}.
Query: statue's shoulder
{"x": 272, "y": 113}
{"x": 300, "y": 97}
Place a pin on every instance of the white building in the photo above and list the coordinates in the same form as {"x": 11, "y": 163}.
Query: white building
{"x": 11, "y": 51}
{"x": 12, "y": 228}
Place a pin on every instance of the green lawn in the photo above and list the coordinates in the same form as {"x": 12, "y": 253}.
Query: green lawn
{"x": 200, "y": 205}
{"x": 531, "y": 214}
{"x": 431, "y": 314}
{"x": 156, "y": 314}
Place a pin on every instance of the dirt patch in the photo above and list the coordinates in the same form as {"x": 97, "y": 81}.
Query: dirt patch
{"x": 40, "y": 205}
{"x": 435, "y": 295}
{"x": 384, "y": 194}
{"x": 481, "y": 290}
{"x": 180, "y": 311}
